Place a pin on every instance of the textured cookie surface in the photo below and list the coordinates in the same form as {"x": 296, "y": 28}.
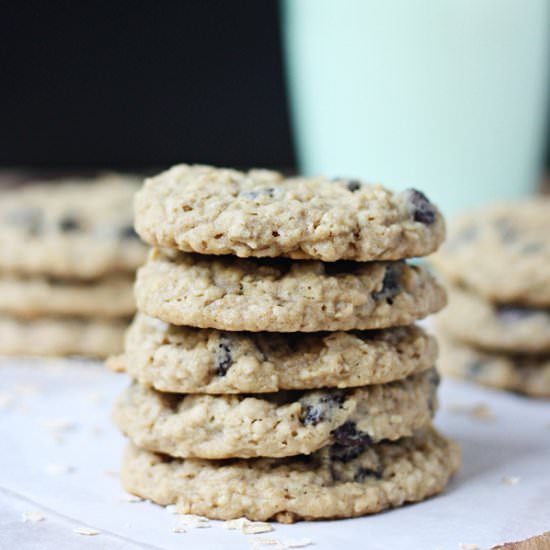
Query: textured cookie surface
{"x": 502, "y": 253}
{"x": 331, "y": 483}
{"x": 279, "y": 295}
{"x": 527, "y": 374}
{"x": 274, "y": 425}
{"x": 509, "y": 328}
{"x": 259, "y": 213}
{"x": 77, "y": 228}
{"x": 28, "y": 297}
{"x": 183, "y": 359}
{"x": 57, "y": 336}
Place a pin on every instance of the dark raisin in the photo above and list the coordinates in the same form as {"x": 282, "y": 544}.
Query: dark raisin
{"x": 349, "y": 442}
{"x": 128, "y": 232}
{"x": 506, "y": 230}
{"x": 29, "y": 219}
{"x": 268, "y": 191}
{"x": 353, "y": 185}
{"x": 422, "y": 209}
{"x": 363, "y": 473}
{"x": 312, "y": 414}
{"x": 434, "y": 378}
{"x": 390, "y": 284}
{"x": 509, "y": 314}
{"x": 223, "y": 355}
{"x": 68, "y": 224}
{"x": 532, "y": 247}
{"x": 474, "y": 369}
{"x": 464, "y": 236}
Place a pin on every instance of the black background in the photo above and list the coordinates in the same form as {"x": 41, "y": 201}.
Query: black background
{"x": 142, "y": 84}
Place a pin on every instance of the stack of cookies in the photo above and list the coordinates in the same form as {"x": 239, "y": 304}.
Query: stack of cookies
{"x": 496, "y": 330}
{"x": 68, "y": 254}
{"x": 277, "y": 370}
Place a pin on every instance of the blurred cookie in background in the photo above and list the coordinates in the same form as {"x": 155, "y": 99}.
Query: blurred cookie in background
{"x": 68, "y": 253}
{"x": 496, "y": 330}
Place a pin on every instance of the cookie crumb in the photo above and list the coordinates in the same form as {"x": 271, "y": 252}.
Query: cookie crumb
{"x": 259, "y": 542}
{"x": 59, "y": 469}
{"x": 248, "y": 527}
{"x": 478, "y": 411}
{"x": 130, "y": 499}
{"x": 95, "y": 397}
{"x": 510, "y": 480}
{"x": 297, "y": 543}
{"x": 468, "y": 546}
{"x": 33, "y": 517}
{"x": 194, "y": 521}
{"x": 6, "y": 401}
{"x": 86, "y": 531}
{"x": 178, "y": 529}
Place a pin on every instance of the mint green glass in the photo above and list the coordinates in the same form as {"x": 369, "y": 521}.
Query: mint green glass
{"x": 448, "y": 96}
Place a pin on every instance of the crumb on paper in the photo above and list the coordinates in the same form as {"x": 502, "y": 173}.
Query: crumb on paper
{"x": 178, "y": 529}
{"x": 194, "y": 521}
{"x": 59, "y": 469}
{"x": 132, "y": 499}
{"x": 276, "y": 544}
{"x": 33, "y": 517}
{"x": 260, "y": 541}
{"x": 468, "y": 546}
{"x": 26, "y": 390}
{"x": 510, "y": 480}
{"x": 6, "y": 400}
{"x": 95, "y": 397}
{"x": 86, "y": 531}
{"x": 297, "y": 543}
{"x": 248, "y": 527}
{"x": 58, "y": 427}
{"x": 478, "y": 411}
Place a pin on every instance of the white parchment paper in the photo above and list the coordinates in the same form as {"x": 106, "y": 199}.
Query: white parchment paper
{"x": 59, "y": 456}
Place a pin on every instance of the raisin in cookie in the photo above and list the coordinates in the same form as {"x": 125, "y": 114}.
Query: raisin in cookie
{"x": 183, "y": 359}
{"x": 279, "y": 295}
{"x": 508, "y": 328}
{"x": 502, "y": 253}
{"x": 30, "y": 297}
{"x": 78, "y": 228}
{"x": 336, "y": 482}
{"x": 262, "y": 214}
{"x": 274, "y": 425}
{"x": 527, "y": 374}
{"x": 60, "y": 336}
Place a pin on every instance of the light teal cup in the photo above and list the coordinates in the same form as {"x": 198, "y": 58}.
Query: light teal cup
{"x": 447, "y": 96}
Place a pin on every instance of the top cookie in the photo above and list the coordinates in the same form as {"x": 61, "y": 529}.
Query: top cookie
{"x": 502, "y": 253}
{"x": 262, "y": 214}
{"x": 77, "y": 228}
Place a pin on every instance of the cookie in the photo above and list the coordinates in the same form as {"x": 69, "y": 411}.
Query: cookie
{"x": 56, "y": 336}
{"x": 279, "y": 295}
{"x": 502, "y": 253}
{"x": 335, "y": 482}
{"x": 527, "y": 374}
{"x": 274, "y": 425}
{"x": 30, "y": 297}
{"x": 183, "y": 359}
{"x": 78, "y": 228}
{"x": 262, "y": 214}
{"x": 507, "y": 328}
